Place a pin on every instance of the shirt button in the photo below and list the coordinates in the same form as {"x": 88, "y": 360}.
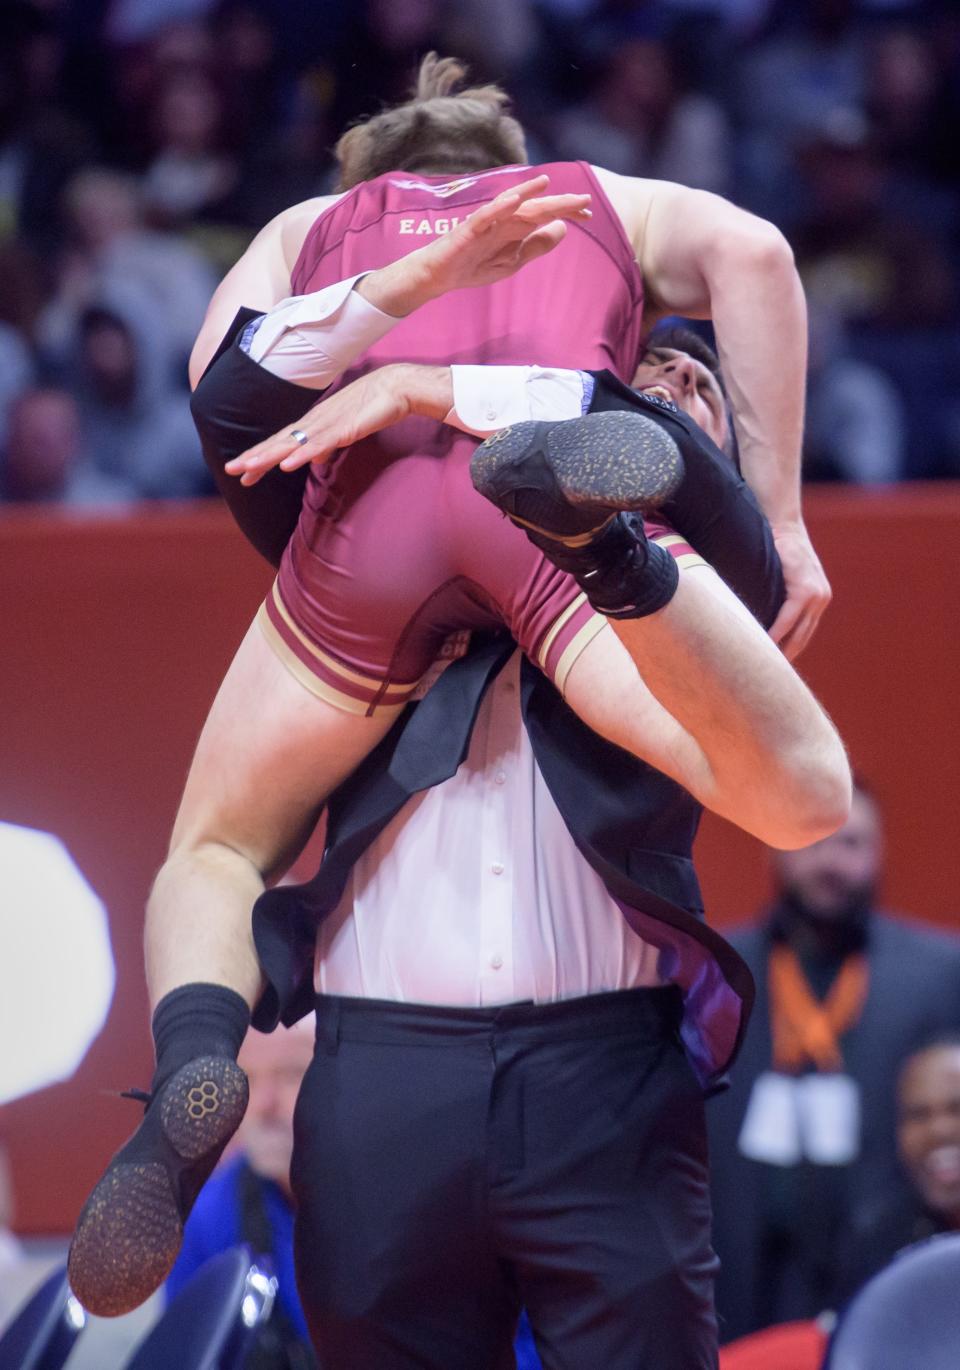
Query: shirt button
{"x": 500, "y": 778}
{"x": 496, "y": 961}
{"x": 497, "y": 868}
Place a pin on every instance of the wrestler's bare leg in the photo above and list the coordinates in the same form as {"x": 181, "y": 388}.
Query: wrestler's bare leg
{"x": 699, "y": 690}
{"x": 269, "y": 754}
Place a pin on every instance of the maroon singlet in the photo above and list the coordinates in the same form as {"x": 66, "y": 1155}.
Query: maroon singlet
{"x": 395, "y": 550}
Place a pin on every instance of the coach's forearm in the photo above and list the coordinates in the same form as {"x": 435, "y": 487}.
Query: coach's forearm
{"x": 760, "y": 318}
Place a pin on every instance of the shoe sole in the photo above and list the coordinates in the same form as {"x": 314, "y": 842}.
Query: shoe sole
{"x": 129, "y": 1233}
{"x": 601, "y": 462}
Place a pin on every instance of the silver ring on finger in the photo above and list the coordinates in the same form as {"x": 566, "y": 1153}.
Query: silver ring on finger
{"x": 301, "y": 437}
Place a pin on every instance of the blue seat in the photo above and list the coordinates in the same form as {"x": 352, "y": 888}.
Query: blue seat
{"x": 211, "y": 1323}
{"x": 42, "y": 1333}
{"x": 907, "y": 1317}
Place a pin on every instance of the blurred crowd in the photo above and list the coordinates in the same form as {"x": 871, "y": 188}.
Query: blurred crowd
{"x": 143, "y": 143}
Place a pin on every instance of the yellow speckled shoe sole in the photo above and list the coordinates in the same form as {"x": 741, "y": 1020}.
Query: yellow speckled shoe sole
{"x": 564, "y": 479}
{"x": 130, "y": 1229}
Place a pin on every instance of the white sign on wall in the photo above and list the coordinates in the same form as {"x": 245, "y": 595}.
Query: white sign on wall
{"x": 56, "y": 963}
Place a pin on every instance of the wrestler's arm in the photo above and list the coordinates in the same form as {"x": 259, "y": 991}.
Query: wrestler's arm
{"x": 703, "y": 257}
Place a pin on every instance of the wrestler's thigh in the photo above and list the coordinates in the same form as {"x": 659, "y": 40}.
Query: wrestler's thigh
{"x": 269, "y": 754}
{"x": 606, "y": 689}
{"x": 607, "y": 692}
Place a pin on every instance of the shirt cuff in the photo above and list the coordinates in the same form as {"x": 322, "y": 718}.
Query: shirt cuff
{"x": 311, "y": 339}
{"x": 488, "y": 398}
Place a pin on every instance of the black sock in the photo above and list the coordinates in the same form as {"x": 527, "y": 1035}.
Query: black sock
{"x": 197, "y": 1020}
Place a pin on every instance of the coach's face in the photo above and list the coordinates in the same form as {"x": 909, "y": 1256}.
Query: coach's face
{"x": 691, "y": 385}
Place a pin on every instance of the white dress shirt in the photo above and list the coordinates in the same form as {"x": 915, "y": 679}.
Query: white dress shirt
{"x": 312, "y": 339}
{"x": 475, "y": 893}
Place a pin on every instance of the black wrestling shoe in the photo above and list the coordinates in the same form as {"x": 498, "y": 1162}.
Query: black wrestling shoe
{"x": 574, "y": 488}
{"x": 565, "y": 480}
{"x": 129, "y": 1232}
{"x": 712, "y": 506}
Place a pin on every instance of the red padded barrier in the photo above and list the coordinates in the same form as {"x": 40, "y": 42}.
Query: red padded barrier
{"x": 117, "y": 630}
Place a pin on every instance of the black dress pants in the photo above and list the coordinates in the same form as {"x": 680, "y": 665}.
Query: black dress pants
{"x": 451, "y": 1166}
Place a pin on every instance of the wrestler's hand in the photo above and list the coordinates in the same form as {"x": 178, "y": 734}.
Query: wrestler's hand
{"x": 366, "y": 405}
{"x": 808, "y": 590}
{"x": 495, "y": 241}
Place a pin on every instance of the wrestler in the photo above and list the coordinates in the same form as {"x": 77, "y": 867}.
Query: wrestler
{"x": 720, "y": 709}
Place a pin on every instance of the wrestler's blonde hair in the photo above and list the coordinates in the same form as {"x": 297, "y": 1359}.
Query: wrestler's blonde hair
{"x": 439, "y": 131}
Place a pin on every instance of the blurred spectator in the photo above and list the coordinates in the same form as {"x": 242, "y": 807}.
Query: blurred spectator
{"x": 494, "y": 36}
{"x": 248, "y": 1198}
{"x": 855, "y": 423}
{"x": 248, "y": 65}
{"x": 42, "y": 461}
{"x": 910, "y": 91}
{"x": 811, "y": 58}
{"x": 108, "y": 243}
{"x": 137, "y": 21}
{"x": 640, "y": 121}
{"x": 835, "y": 119}
{"x": 16, "y": 373}
{"x": 194, "y": 171}
{"x": 282, "y": 121}
{"x": 803, "y": 1140}
{"x": 887, "y": 272}
{"x": 855, "y": 256}
{"x": 135, "y": 424}
{"x": 20, "y": 1272}
{"x": 928, "y": 1144}
{"x": 126, "y": 433}
{"x": 41, "y": 143}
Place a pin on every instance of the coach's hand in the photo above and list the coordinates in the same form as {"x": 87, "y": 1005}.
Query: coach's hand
{"x": 366, "y": 405}
{"x": 808, "y": 590}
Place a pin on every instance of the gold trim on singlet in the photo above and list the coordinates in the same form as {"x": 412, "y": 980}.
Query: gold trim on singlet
{"x": 558, "y": 623}
{"x": 686, "y": 559}
{"x": 312, "y": 682}
{"x": 581, "y": 640}
{"x": 690, "y": 559}
{"x": 347, "y": 673}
